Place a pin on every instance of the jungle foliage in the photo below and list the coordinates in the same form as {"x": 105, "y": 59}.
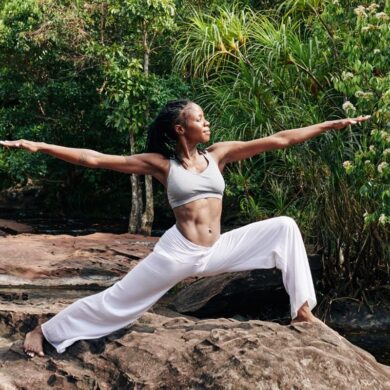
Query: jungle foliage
{"x": 93, "y": 73}
{"x": 304, "y": 63}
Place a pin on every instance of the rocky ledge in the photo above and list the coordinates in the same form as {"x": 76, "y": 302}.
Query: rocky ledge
{"x": 41, "y": 274}
{"x": 159, "y": 352}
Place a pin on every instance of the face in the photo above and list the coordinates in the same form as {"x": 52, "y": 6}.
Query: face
{"x": 195, "y": 127}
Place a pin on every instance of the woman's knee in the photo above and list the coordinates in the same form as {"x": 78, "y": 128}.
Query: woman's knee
{"x": 286, "y": 221}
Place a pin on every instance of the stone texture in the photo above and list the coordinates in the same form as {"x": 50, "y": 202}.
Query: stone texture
{"x": 41, "y": 274}
{"x": 158, "y": 352}
{"x": 258, "y": 293}
{"x": 13, "y": 227}
{"x": 247, "y": 292}
{"x": 37, "y": 259}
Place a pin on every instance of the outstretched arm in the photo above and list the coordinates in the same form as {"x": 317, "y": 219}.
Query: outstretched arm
{"x": 144, "y": 164}
{"x": 240, "y": 150}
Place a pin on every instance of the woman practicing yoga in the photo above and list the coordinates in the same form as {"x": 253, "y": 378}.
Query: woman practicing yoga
{"x": 194, "y": 245}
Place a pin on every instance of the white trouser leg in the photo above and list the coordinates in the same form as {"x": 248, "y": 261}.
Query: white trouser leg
{"x": 275, "y": 242}
{"x": 121, "y": 304}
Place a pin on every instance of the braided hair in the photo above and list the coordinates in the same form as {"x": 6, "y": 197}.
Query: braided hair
{"x": 162, "y": 137}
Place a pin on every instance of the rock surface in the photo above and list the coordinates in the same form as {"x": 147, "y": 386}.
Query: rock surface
{"x": 13, "y": 227}
{"x": 249, "y": 292}
{"x": 158, "y": 352}
{"x": 39, "y": 259}
{"x": 257, "y": 293}
{"x": 41, "y": 274}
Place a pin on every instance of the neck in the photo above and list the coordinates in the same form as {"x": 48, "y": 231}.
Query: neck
{"x": 185, "y": 152}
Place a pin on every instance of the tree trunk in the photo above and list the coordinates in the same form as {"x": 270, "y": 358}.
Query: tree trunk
{"x": 135, "y": 219}
{"x": 148, "y": 215}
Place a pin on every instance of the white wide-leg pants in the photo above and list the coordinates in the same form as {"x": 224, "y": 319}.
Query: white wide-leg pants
{"x": 275, "y": 242}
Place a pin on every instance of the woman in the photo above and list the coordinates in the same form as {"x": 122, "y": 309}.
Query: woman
{"x": 194, "y": 245}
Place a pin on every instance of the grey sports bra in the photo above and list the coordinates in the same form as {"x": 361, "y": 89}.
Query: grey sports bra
{"x": 184, "y": 186}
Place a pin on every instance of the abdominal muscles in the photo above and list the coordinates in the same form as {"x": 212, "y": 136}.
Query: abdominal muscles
{"x": 200, "y": 221}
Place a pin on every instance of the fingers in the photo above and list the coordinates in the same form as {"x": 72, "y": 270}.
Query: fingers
{"x": 362, "y": 118}
{"x": 342, "y": 123}
{"x": 12, "y": 144}
{"x": 354, "y": 121}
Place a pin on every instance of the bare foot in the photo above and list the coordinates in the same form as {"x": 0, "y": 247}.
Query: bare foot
{"x": 305, "y": 315}
{"x": 33, "y": 343}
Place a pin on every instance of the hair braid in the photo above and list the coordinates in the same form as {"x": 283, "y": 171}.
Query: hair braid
{"x": 162, "y": 137}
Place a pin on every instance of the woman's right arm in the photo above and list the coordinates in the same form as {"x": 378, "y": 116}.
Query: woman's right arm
{"x": 143, "y": 164}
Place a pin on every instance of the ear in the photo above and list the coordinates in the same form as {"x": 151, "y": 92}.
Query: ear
{"x": 179, "y": 129}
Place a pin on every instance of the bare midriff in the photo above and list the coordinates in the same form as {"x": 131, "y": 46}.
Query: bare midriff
{"x": 200, "y": 221}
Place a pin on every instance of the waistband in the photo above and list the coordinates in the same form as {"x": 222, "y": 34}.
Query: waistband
{"x": 173, "y": 239}
{"x": 189, "y": 243}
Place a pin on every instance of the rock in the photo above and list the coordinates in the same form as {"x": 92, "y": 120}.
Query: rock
{"x": 158, "y": 352}
{"x": 60, "y": 260}
{"x": 258, "y": 293}
{"x": 370, "y": 329}
{"x": 12, "y": 227}
{"x": 250, "y": 293}
{"x": 42, "y": 274}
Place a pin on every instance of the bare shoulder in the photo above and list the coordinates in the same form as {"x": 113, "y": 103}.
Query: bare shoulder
{"x": 220, "y": 150}
{"x": 156, "y": 161}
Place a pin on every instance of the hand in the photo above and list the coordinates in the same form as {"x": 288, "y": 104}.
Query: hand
{"x": 31, "y": 146}
{"x": 341, "y": 123}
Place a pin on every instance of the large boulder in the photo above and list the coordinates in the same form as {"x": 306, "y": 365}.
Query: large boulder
{"x": 42, "y": 274}
{"x": 250, "y": 293}
{"x": 257, "y": 293}
{"x": 159, "y": 352}
{"x": 260, "y": 294}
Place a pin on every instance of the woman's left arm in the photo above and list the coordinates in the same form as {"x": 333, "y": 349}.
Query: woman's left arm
{"x": 231, "y": 151}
